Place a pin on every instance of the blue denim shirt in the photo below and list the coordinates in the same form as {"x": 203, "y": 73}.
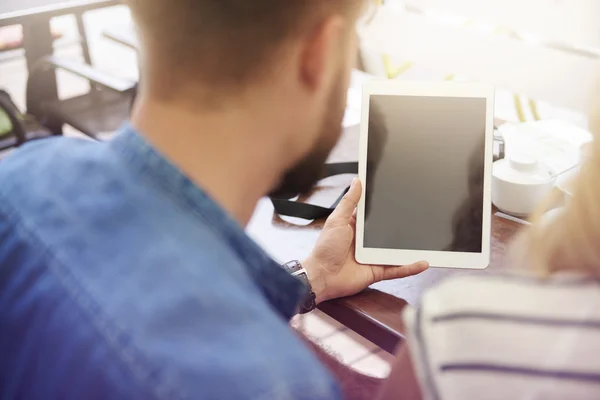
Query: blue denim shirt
{"x": 119, "y": 278}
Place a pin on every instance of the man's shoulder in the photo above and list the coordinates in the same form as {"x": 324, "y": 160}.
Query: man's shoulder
{"x": 53, "y": 151}
{"x": 61, "y": 192}
{"x": 51, "y": 166}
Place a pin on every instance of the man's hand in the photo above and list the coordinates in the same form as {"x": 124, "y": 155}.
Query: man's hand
{"x": 332, "y": 268}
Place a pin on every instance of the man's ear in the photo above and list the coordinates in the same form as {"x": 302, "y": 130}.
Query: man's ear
{"x": 321, "y": 52}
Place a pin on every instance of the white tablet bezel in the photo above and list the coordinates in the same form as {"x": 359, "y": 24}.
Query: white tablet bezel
{"x": 440, "y": 259}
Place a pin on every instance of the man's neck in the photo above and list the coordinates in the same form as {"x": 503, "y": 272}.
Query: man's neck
{"x": 221, "y": 151}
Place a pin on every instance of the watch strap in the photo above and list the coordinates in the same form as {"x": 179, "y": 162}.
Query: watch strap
{"x": 296, "y": 269}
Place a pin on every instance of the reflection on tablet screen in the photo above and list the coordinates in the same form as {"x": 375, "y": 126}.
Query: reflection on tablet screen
{"x": 425, "y": 173}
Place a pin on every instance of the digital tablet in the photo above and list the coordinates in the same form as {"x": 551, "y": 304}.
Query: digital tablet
{"x": 425, "y": 162}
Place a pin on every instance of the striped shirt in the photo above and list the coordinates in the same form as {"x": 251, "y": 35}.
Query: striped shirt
{"x": 508, "y": 337}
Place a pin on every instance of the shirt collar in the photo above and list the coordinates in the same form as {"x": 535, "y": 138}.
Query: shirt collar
{"x": 283, "y": 291}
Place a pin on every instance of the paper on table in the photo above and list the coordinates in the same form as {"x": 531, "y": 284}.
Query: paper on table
{"x": 353, "y": 108}
{"x": 351, "y": 118}
{"x": 354, "y": 103}
{"x": 555, "y": 143}
{"x": 359, "y": 78}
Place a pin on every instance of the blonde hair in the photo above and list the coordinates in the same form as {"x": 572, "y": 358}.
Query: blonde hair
{"x": 571, "y": 241}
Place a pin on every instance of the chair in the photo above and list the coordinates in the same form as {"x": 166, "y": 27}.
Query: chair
{"x": 124, "y": 35}
{"x": 16, "y": 128}
{"x": 102, "y": 109}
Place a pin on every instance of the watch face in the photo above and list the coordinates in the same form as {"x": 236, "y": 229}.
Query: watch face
{"x": 293, "y": 267}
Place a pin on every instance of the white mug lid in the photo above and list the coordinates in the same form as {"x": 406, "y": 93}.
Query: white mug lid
{"x": 522, "y": 169}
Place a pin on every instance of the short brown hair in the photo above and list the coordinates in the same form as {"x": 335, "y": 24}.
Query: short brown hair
{"x": 224, "y": 42}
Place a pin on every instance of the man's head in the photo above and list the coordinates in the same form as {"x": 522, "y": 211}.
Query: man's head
{"x": 286, "y": 62}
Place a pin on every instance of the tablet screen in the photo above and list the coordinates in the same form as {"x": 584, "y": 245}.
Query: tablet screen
{"x": 425, "y": 173}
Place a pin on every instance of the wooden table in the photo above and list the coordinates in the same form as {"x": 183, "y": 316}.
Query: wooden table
{"x": 35, "y": 16}
{"x": 375, "y": 313}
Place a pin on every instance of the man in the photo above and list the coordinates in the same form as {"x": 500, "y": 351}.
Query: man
{"x": 124, "y": 268}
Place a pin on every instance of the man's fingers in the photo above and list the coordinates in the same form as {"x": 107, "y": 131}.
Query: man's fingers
{"x": 348, "y": 204}
{"x": 381, "y": 273}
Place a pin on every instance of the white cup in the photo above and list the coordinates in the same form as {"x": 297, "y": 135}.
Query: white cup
{"x": 519, "y": 184}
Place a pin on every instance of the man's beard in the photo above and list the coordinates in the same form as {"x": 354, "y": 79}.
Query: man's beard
{"x": 301, "y": 178}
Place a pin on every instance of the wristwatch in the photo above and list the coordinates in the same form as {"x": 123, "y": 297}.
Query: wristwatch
{"x": 296, "y": 269}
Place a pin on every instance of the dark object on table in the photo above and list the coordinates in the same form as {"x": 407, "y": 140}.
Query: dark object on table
{"x": 16, "y": 128}
{"x": 499, "y": 145}
{"x": 283, "y": 204}
{"x": 102, "y": 109}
